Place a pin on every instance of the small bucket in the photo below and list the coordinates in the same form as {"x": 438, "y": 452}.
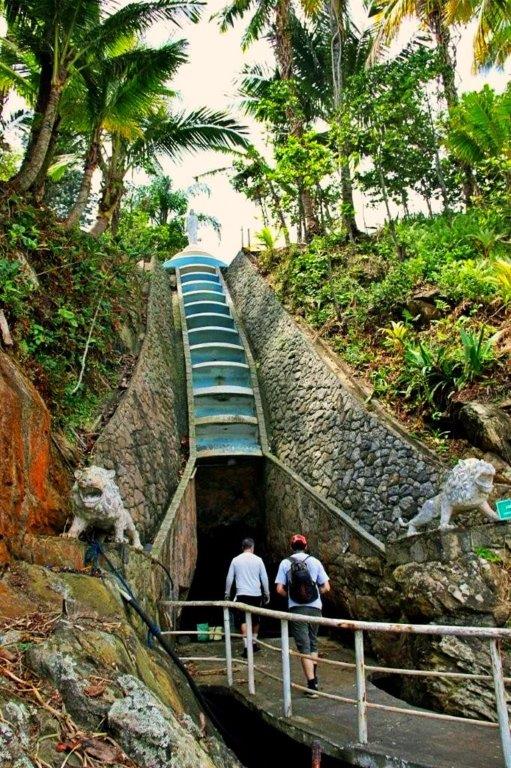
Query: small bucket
{"x": 202, "y": 633}
{"x": 215, "y": 633}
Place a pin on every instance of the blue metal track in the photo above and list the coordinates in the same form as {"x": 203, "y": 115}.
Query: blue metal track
{"x": 222, "y": 388}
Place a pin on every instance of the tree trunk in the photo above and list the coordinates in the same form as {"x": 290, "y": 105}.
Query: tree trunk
{"x": 442, "y": 37}
{"x": 112, "y": 189}
{"x": 448, "y": 74}
{"x": 90, "y": 165}
{"x": 283, "y": 44}
{"x": 284, "y": 56}
{"x": 38, "y": 148}
{"x": 310, "y": 215}
{"x": 404, "y": 203}
{"x": 38, "y": 186}
{"x": 280, "y": 214}
{"x": 336, "y": 13}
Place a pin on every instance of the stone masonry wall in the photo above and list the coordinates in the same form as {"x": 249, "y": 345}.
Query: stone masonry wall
{"x": 142, "y": 441}
{"x": 320, "y": 428}
{"x": 353, "y": 562}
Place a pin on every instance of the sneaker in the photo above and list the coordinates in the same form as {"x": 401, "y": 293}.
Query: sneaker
{"x": 256, "y": 647}
{"x": 312, "y": 688}
{"x": 244, "y": 654}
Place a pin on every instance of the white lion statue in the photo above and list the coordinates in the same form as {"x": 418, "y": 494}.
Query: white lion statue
{"x": 467, "y": 486}
{"x": 97, "y": 502}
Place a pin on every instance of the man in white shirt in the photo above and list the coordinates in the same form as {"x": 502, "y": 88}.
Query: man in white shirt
{"x": 303, "y": 577}
{"x": 249, "y": 573}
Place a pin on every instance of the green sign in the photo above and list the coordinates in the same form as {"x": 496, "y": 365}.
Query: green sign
{"x": 504, "y": 509}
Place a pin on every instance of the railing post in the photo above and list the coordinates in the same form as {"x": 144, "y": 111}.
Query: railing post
{"x": 250, "y": 652}
{"x": 500, "y": 699}
{"x": 228, "y": 648}
{"x": 361, "y": 686}
{"x": 286, "y": 667}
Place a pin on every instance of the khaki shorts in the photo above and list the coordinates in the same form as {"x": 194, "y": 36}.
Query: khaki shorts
{"x": 305, "y": 635}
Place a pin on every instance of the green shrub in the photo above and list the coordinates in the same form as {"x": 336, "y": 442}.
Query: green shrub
{"x": 470, "y": 279}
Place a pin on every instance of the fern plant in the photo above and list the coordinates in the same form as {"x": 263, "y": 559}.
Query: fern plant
{"x": 501, "y": 279}
{"x": 478, "y": 353}
{"x": 266, "y": 239}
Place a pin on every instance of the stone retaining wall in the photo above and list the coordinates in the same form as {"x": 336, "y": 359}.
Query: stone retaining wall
{"x": 318, "y": 427}
{"x": 353, "y": 559}
{"x": 142, "y": 440}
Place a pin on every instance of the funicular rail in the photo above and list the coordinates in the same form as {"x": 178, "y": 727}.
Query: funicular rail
{"x": 494, "y": 636}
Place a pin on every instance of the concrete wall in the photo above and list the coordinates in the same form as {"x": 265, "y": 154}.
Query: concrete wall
{"x": 318, "y": 427}
{"x": 142, "y": 439}
{"x": 175, "y": 546}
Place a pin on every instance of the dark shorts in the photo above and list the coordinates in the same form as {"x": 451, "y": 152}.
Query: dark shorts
{"x": 305, "y": 635}
{"x": 239, "y": 616}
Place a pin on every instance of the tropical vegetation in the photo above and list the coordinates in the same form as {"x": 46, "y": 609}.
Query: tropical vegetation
{"x": 352, "y": 126}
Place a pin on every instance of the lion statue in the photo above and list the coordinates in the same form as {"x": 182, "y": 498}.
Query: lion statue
{"x": 467, "y": 486}
{"x": 97, "y": 502}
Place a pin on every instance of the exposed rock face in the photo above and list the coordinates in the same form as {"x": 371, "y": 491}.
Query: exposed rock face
{"x": 93, "y": 666}
{"x": 150, "y": 733}
{"x": 457, "y": 577}
{"x": 488, "y": 427}
{"x": 33, "y": 483}
{"x": 319, "y": 428}
{"x": 142, "y": 441}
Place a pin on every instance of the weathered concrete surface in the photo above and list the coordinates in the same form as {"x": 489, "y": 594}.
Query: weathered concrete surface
{"x": 93, "y": 663}
{"x": 142, "y": 440}
{"x": 395, "y": 740}
{"x": 33, "y": 482}
{"x": 319, "y": 427}
{"x": 176, "y": 546}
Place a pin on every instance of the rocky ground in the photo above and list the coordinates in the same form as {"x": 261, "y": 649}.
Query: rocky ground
{"x": 80, "y": 687}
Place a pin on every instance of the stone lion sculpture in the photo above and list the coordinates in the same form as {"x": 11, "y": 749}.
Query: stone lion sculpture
{"x": 97, "y": 502}
{"x": 467, "y": 486}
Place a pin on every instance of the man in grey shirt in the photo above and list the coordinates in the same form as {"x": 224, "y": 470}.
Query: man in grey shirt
{"x": 305, "y": 634}
{"x": 249, "y": 573}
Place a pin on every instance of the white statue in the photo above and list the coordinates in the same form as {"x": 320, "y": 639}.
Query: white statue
{"x": 467, "y": 486}
{"x": 97, "y": 502}
{"x": 192, "y": 227}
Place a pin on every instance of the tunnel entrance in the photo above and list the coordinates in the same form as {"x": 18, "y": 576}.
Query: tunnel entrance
{"x": 230, "y": 506}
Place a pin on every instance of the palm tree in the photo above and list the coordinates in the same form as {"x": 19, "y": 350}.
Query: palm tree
{"x": 492, "y": 39}
{"x": 431, "y": 14}
{"x": 120, "y": 92}
{"x": 273, "y": 18}
{"x": 161, "y": 133}
{"x": 480, "y": 130}
{"x": 321, "y": 79}
{"x": 63, "y": 35}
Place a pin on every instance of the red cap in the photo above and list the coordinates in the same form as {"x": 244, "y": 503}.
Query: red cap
{"x": 298, "y": 537}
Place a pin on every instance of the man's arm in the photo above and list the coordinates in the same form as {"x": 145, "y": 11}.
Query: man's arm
{"x": 229, "y": 580}
{"x": 323, "y": 580}
{"x": 264, "y": 581}
{"x": 281, "y": 581}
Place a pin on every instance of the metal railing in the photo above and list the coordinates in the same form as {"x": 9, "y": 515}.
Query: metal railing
{"x": 493, "y": 635}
